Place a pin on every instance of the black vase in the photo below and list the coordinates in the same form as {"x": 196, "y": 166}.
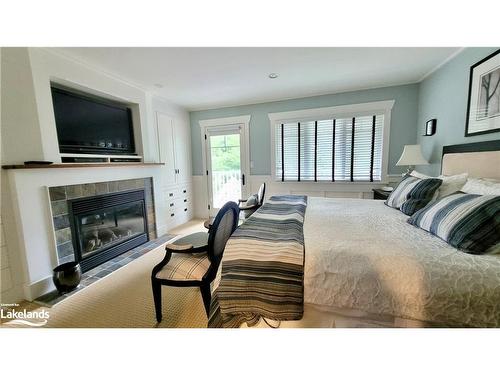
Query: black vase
{"x": 67, "y": 276}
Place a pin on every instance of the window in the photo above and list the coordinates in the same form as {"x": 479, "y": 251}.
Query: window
{"x": 336, "y": 149}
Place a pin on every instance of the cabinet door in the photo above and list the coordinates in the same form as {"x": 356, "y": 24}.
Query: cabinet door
{"x": 166, "y": 151}
{"x": 182, "y": 151}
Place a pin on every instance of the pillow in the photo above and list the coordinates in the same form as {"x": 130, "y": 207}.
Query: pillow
{"x": 251, "y": 201}
{"x": 413, "y": 193}
{"x": 468, "y": 222}
{"x": 451, "y": 184}
{"x": 481, "y": 186}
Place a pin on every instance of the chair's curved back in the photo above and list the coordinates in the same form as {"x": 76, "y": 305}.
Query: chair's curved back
{"x": 223, "y": 226}
{"x": 261, "y": 194}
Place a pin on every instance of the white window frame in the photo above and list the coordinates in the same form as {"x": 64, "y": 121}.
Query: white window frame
{"x": 325, "y": 113}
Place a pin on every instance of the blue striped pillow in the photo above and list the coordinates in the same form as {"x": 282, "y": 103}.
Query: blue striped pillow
{"x": 413, "y": 193}
{"x": 468, "y": 222}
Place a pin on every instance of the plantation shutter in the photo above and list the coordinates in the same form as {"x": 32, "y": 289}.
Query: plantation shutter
{"x": 341, "y": 149}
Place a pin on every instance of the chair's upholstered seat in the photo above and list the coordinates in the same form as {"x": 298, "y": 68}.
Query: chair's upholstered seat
{"x": 184, "y": 267}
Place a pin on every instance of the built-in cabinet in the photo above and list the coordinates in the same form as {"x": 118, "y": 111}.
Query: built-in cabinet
{"x": 173, "y": 148}
{"x": 175, "y": 151}
{"x": 179, "y": 204}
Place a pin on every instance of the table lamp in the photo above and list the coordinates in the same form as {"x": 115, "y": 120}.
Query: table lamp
{"x": 411, "y": 156}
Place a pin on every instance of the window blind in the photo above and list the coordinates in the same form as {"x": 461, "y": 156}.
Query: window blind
{"x": 340, "y": 149}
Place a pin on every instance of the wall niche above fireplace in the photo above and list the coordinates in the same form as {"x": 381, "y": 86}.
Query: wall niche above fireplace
{"x": 98, "y": 221}
{"x": 87, "y": 124}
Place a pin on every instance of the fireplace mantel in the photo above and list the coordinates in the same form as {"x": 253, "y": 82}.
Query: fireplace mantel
{"x": 78, "y": 165}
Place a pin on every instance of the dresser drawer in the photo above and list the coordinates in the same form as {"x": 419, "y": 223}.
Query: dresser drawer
{"x": 184, "y": 191}
{"x": 177, "y": 192}
{"x": 184, "y": 214}
{"x": 178, "y": 202}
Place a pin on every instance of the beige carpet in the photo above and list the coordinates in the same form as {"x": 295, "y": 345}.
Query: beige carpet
{"x": 124, "y": 299}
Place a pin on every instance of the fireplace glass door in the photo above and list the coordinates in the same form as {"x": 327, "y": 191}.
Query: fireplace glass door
{"x": 108, "y": 227}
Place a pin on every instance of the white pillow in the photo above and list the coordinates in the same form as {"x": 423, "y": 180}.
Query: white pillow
{"x": 481, "y": 186}
{"x": 419, "y": 175}
{"x": 450, "y": 185}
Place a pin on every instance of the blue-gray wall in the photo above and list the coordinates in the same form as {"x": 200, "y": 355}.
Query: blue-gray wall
{"x": 443, "y": 95}
{"x": 403, "y": 122}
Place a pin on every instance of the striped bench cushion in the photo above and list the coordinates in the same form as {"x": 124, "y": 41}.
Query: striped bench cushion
{"x": 413, "y": 193}
{"x": 262, "y": 272}
{"x": 468, "y": 222}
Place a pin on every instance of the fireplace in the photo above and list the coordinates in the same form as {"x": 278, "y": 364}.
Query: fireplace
{"x": 106, "y": 226}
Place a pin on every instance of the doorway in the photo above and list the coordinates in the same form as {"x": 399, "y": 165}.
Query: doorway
{"x": 226, "y": 167}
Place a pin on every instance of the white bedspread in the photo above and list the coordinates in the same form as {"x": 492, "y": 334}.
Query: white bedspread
{"x": 362, "y": 255}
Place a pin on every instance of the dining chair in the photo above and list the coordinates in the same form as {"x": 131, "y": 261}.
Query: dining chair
{"x": 253, "y": 202}
{"x": 193, "y": 260}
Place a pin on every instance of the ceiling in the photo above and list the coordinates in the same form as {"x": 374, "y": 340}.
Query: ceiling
{"x": 201, "y": 78}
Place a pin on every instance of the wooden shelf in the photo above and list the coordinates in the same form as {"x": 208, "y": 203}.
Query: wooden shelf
{"x": 78, "y": 165}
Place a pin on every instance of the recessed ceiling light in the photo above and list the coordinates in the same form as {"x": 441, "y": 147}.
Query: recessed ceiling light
{"x": 159, "y": 85}
{"x": 273, "y": 75}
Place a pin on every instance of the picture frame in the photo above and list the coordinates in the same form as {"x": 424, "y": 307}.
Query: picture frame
{"x": 483, "y": 105}
{"x": 430, "y": 127}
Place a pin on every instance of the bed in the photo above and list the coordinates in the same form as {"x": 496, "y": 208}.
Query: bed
{"x": 375, "y": 262}
{"x": 364, "y": 264}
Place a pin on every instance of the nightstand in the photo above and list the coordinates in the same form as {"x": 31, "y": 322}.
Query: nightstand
{"x": 380, "y": 194}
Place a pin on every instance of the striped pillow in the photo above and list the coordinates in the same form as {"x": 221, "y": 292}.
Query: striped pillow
{"x": 413, "y": 193}
{"x": 469, "y": 222}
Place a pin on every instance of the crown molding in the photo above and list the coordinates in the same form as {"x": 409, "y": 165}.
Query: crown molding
{"x": 441, "y": 64}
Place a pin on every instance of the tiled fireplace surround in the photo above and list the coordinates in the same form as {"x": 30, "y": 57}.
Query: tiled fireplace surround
{"x": 60, "y": 195}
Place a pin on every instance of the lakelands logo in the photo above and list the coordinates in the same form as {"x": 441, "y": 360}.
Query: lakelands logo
{"x": 23, "y": 317}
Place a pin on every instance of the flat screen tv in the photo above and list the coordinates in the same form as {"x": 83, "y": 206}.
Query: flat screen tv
{"x": 88, "y": 125}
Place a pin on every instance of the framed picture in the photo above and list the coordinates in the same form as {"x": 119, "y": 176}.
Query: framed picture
{"x": 483, "y": 107}
{"x": 430, "y": 127}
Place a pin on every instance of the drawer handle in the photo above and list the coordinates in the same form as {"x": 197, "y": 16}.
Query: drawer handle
{"x": 172, "y": 215}
{"x": 185, "y": 209}
{"x": 171, "y": 205}
{"x": 184, "y": 191}
{"x": 170, "y": 194}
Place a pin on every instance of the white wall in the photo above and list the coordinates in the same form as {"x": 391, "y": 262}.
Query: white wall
{"x": 6, "y": 283}
{"x": 21, "y": 133}
{"x": 12, "y": 272}
{"x": 6, "y": 279}
{"x": 28, "y": 132}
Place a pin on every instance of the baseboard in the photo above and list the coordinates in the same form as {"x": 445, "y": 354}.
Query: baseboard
{"x": 39, "y": 288}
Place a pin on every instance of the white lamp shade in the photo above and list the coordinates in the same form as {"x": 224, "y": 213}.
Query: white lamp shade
{"x": 412, "y": 155}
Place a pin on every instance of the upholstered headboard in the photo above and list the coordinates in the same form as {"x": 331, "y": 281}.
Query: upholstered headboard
{"x": 481, "y": 159}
